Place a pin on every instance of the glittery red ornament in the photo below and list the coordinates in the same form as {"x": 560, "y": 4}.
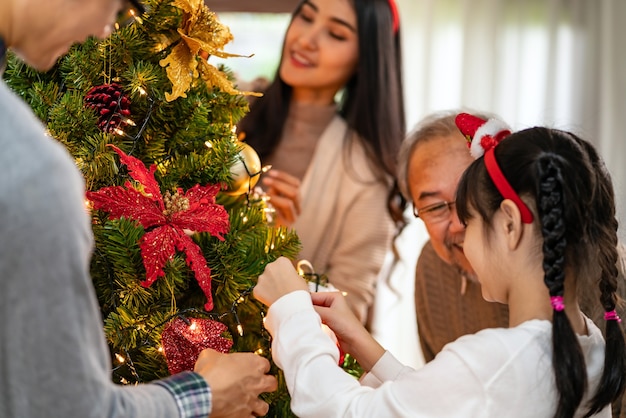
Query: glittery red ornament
{"x": 112, "y": 106}
{"x": 165, "y": 220}
{"x": 182, "y": 342}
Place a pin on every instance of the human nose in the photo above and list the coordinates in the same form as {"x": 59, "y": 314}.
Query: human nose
{"x": 308, "y": 38}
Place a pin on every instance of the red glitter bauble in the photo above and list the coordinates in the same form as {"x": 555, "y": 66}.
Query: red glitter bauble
{"x": 112, "y": 105}
{"x": 183, "y": 341}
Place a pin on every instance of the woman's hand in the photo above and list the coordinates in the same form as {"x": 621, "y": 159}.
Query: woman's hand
{"x": 284, "y": 192}
{"x": 278, "y": 279}
{"x": 352, "y": 336}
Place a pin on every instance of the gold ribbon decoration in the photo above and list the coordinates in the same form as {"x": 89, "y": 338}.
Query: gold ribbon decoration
{"x": 201, "y": 35}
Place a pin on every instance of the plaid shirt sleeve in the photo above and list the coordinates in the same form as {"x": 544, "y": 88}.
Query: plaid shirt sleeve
{"x": 192, "y": 394}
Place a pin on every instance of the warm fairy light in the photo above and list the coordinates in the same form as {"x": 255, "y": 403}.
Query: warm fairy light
{"x": 240, "y": 330}
{"x": 241, "y": 299}
{"x": 266, "y": 168}
{"x": 160, "y": 349}
{"x": 142, "y": 91}
{"x": 124, "y": 381}
{"x": 259, "y": 352}
{"x": 245, "y": 219}
{"x": 344, "y": 293}
{"x": 117, "y": 26}
{"x": 120, "y": 358}
{"x": 193, "y": 326}
{"x": 129, "y": 122}
{"x": 208, "y": 144}
{"x": 88, "y": 205}
{"x": 119, "y": 132}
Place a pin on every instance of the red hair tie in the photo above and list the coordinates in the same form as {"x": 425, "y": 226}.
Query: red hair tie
{"x": 394, "y": 15}
{"x": 612, "y": 316}
{"x": 557, "y": 303}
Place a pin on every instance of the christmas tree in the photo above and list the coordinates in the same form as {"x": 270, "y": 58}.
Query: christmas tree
{"x": 180, "y": 233}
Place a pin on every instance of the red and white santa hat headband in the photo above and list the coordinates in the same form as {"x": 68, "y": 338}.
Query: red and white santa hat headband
{"x": 483, "y": 136}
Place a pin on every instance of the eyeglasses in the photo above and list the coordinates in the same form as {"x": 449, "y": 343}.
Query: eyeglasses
{"x": 434, "y": 213}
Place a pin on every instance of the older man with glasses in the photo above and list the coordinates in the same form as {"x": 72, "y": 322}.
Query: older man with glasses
{"x": 448, "y": 299}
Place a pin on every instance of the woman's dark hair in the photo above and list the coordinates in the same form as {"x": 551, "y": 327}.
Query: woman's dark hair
{"x": 564, "y": 179}
{"x": 371, "y": 103}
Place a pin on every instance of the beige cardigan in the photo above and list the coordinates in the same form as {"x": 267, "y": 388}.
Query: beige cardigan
{"x": 344, "y": 225}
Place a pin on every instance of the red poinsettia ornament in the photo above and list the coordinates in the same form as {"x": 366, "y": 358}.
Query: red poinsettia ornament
{"x": 183, "y": 340}
{"x": 165, "y": 220}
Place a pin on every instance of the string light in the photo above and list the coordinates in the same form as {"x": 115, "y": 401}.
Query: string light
{"x": 126, "y": 361}
{"x": 129, "y": 122}
{"x": 208, "y": 144}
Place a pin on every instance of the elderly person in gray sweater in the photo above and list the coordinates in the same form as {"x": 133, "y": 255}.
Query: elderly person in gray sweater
{"x": 54, "y": 360}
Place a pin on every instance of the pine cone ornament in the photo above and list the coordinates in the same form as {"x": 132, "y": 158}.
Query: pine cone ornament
{"x": 112, "y": 105}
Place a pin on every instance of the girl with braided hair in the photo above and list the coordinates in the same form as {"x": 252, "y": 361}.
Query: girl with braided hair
{"x": 540, "y": 216}
{"x": 563, "y": 178}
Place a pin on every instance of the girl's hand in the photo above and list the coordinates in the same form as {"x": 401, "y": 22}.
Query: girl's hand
{"x": 278, "y": 279}
{"x": 284, "y": 192}
{"x": 352, "y": 336}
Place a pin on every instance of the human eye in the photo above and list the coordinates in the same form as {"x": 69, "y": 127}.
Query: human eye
{"x": 436, "y": 209}
{"x": 306, "y": 14}
{"x": 338, "y": 35}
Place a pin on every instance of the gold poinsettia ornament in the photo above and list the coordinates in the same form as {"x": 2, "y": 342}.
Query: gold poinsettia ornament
{"x": 201, "y": 35}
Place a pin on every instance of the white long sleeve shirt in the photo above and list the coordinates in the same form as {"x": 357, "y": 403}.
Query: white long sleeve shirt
{"x": 494, "y": 373}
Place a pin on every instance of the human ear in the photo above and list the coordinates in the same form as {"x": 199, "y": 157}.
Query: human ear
{"x": 511, "y": 223}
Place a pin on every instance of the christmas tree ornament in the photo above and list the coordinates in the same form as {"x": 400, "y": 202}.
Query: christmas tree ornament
{"x": 481, "y": 134}
{"x": 111, "y": 105}
{"x": 165, "y": 220}
{"x": 184, "y": 339}
{"x": 199, "y": 36}
{"x": 245, "y": 172}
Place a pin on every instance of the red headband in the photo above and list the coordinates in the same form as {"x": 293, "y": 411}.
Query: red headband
{"x": 484, "y": 136}
{"x": 394, "y": 15}
{"x": 504, "y": 187}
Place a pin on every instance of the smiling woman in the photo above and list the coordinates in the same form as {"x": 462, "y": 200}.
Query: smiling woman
{"x": 334, "y": 159}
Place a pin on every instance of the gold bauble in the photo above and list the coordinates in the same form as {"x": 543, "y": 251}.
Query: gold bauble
{"x": 245, "y": 172}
